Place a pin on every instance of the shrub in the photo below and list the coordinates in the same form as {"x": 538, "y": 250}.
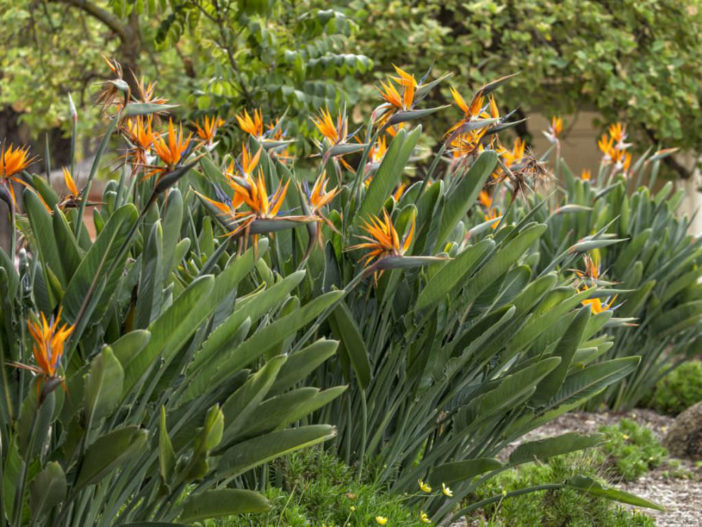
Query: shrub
{"x": 631, "y": 449}
{"x": 172, "y": 356}
{"x": 192, "y": 342}
{"x": 452, "y": 342}
{"x": 678, "y": 390}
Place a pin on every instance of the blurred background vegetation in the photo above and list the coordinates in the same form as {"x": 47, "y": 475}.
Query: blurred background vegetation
{"x": 631, "y": 60}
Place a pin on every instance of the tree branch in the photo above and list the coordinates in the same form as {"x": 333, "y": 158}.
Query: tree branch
{"x": 102, "y": 15}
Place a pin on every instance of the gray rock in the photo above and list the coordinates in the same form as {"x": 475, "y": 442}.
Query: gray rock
{"x": 684, "y": 439}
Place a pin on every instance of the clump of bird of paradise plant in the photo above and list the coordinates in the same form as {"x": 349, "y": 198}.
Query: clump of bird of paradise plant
{"x": 148, "y": 372}
{"x": 452, "y": 342}
{"x": 646, "y": 263}
{"x": 219, "y": 284}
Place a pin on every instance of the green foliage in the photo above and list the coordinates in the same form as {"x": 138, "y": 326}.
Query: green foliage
{"x": 678, "y": 390}
{"x": 646, "y": 258}
{"x": 210, "y": 297}
{"x": 631, "y": 449}
{"x": 165, "y": 384}
{"x": 552, "y": 508}
{"x": 452, "y": 343}
{"x": 631, "y": 61}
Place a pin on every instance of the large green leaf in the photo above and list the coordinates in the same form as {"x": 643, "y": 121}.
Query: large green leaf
{"x": 346, "y": 330}
{"x": 504, "y": 258}
{"x": 171, "y": 329}
{"x": 566, "y": 348}
{"x": 103, "y": 385}
{"x": 47, "y": 489}
{"x": 222, "y": 502}
{"x": 299, "y": 365}
{"x": 388, "y": 175}
{"x": 42, "y": 229}
{"x": 108, "y": 452}
{"x": 252, "y": 308}
{"x": 245, "y": 400}
{"x": 543, "y": 449}
{"x": 452, "y": 273}
{"x": 260, "y": 342}
{"x": 463, "y": 195}
{"x": 90, "y": 277}
{"x": 258, "y": 450}
{"x": 589, "y": 381}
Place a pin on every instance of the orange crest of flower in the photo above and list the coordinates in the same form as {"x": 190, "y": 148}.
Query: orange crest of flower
{"x": 13, "y": 160}
{"x": 617, "y": 132}
{"x": 485, "y": 199}
{"x": 319, "y": 197}
{"x": 515, "y": 155}
{"x": 49, "y": 341}
{"x": 255, "y": 195}
{"x": 399, "y": 191}
{"x": 48, "y": 347}
{"x": 171, "y": 149}
{"x": 70, "y": 183}
{"x": 336, "y": 133}
{"x": 597, "y": 305}
{"x": 139, "y": 131}
{"x": 556, "y": 126}
{"x": 382, "y": 239}
{"x": 249, "y": 163}
{"x": 472, "y": 111}
{"x": 378, "y": 150}
{"x": 465, "y": 144}
{"x": 392, "y": 96}
{"x": 251, "y": 125}
{"x": 606, "y": 145}
{"x": 208, "y": 128}
{"x": 586, "y": 175}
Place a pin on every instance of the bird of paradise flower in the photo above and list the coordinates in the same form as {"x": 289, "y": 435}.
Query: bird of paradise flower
{"x": 49, "y": 339}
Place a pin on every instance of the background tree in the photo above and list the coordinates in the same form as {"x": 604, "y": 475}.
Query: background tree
{"x": 631, "y": 60}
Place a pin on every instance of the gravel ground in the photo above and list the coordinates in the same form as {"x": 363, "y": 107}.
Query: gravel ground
{"x": 681, "y": 496}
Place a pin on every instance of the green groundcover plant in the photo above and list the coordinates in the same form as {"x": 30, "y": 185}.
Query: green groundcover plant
{"x": 150, "y": 373}
{"x": 631, "y": 449}
{"x": 678, "y": 390}
{"x": 551, "y": 508}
